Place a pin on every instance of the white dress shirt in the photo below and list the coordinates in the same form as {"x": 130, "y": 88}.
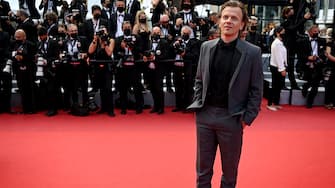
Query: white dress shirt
{"x": 278, "y": 55}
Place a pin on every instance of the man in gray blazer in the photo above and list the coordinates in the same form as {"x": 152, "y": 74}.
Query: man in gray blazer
{"x": 228, "y": 94}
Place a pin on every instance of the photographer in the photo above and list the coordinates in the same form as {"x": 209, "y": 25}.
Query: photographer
{"x": 101, "y": 48}
{"x": 128, "y": 73}
{"x": 23, "y": 57}
{"x": 187, "y": 51}
{"x": 5, "y": 73}
{"x": 6, "y": 16}
{"x": 156, "y": 68}
{"x": 47, "y": 54}
{"x": 26, "y": 23}
{"x": 77, "y": 70}
{"x": 312, "y": 54}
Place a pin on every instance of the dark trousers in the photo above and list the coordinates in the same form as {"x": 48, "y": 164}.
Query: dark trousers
{"x": 291, "y": 67}
{"x": 330, "y": 89}
{"x": 278, "y": 82}
{"x": 156, "y": 87}
{"x": 314, "y": 76}
{"x": 78, "y": 81}
{"x": 130, "y": 77}
{"x": 27, "y": 87}
{"x": 104, "y": 83}
{"x": 5, "y": 91}
{"x": 215, "y": 127}
{"x": 183, "y": 85}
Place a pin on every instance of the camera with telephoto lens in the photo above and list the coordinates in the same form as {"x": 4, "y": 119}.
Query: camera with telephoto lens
{"x": 12, "y": 18}
{"x": 130, "y": 41}
{"x": 179, "y": 46}
{"x": 63, "y": 59}
{"x": 41, "y": 63}
{"x": 8, "y": 66}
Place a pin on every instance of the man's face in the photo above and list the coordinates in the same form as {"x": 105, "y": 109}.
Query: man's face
{"x": 19, "y": 36}
{"x": 119, "y": 4}
{"x": 73, "y": 30}
{"x": 314, "y": 32}
{"x": 231, "y": 21}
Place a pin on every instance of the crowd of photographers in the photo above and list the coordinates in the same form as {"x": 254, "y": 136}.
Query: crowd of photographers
{"x": 62, "y": 60}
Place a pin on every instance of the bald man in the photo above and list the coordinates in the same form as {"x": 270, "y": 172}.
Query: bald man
{"x": 23, "y": 56}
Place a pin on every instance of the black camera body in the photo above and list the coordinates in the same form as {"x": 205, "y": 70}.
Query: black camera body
{"x": 12, "y": 18}
{"x": 179, "y": 47}
{"x": 130, "y": 40}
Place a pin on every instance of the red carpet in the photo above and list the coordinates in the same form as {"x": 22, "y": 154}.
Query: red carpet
{"x": 292, "y": 148}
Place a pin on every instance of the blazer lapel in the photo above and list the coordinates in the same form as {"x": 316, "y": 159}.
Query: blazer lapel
{"x": 241, "y": 55}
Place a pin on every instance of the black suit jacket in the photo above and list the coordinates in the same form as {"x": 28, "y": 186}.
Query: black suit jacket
{"x": 87, "y": 30}
{"x": 113, "y": 29}
{"x": 305, "y": 49}
{"x": 54, "y": 6}
{"x": 30, "y": 30}
{"x": 160, "y": 54}
{"x": 32, "y": 8}
{"x": 52, "y": 52}
{"x": 136, "y": 6}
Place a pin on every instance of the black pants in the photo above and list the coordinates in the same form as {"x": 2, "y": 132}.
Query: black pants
{"x": 215, "y": 127}
{"x": 278, "y": 82}
{"x": 156, "y": 87}
{"x": 314, "y": 76}
{"x": 129, "y": 76}
{"x": 77, "y": 81}
{"x": 184, "y": 85}
{"x": 330, "y": 89}
{"x": 291, "y": 68}
{"x": 5, "y": 91}
{"x": 104, "y": 80}
{"x": 27, "y": 87}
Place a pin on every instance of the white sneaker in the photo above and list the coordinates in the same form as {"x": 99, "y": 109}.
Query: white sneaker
{"x": 278, "y": 107}
{"x": 272, "y": 108}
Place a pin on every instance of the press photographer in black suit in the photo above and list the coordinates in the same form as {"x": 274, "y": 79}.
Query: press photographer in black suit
{"x": 47, "y": 54}
{"x": 311, "y": 53}
{"x": 157, "y": 66}
{"x": 101, "y": 48}
{"x": 23, "y": 57}
{"x": 128, "y": 72}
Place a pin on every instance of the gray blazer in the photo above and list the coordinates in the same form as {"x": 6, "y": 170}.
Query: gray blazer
{"x": 246, "y": 86}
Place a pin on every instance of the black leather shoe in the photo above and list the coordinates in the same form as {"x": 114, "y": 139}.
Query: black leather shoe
{"x": 139, "y": 111}
{"x": 51, "y": 113}
{"x": 177, "y": 110}
{"x": 153, "y": 110}
{"x": 111, "y": 114}
{"x": 161, "y": 111}
{"x": 101, "y": 111}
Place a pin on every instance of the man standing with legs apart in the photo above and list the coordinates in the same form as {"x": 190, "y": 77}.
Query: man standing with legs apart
{"x": 228, "y": 94}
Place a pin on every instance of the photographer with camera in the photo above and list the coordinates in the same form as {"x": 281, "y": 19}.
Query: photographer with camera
{"x": 24, "y": 67}
{"x": 311, "y": 52}
{"x": 26, "y": 23}
{"x": 77, "y": 70}
{"x": 156, "y": 68}
{"x": 49, "y": 87}
{"x": 101, "y": 49}
{"x": 187, "y": 54}
{"x": 5, "y": 73}
{"x": 128, "y": 74}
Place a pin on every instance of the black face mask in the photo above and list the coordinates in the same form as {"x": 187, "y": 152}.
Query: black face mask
{"x": 120, "y": 9}
{"x": 185, "y": 37}
{"x": 74, "y": 35}
{"x": 62, "y": 35}
{"x": 315, "y": 35}
{"x": 253, "y": 28}
{"x": 143, "y": 20}
{"x": 96, "y": 16}
{"x": 186, "y": 6}
{"x": 19, "y": 42}
{"x": 281, "y": 35}
{"x": 127, "y": 32}
{"x": 155, "y": 37}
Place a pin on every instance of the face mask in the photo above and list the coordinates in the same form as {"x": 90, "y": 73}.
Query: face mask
{"x": 120, "y": 9}
{"x": 185, "y": 37}
{"x": 96, "y": 16}
{"x": 155, "y": 37}
{"x": 253, "y": 28}
{"x": 143, "y": 20}
{"x": 74, "y": 35}
{"x": 282, "y": 35}
{"x": 62, "y": 35}
{"x": 19, "y": 42}
{"x": 127, "y": 32}
{"x": 315, "y": 35}
{"x": 186, "y": 6}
